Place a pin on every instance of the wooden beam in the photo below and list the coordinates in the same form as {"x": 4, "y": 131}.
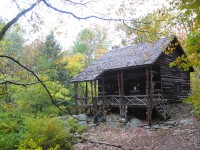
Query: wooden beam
{"x": 95, "y": 95}
{"x": 151, "y": 97}
{"x": 148, "y": 97}
{"x": 93, "y": 99}
{"x": 95, "y": 89}
{"x": 76, "y": 95}
{"x": 86, "y": 90}
{"x": 86, "y": 95}
{"x": 118, "y": 82}
{"x": 122, "y": 83}
{"x": 103, "y": 96}
{"x": 122, "y": 105}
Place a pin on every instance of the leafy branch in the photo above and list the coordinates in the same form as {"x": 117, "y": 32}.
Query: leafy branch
{"x": 39, "y": 80}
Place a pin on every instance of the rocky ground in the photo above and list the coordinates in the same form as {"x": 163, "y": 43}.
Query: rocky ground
{"x": 182, "y": 132}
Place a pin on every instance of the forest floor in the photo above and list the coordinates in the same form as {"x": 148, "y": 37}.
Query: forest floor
{"x": 181, "y": 132}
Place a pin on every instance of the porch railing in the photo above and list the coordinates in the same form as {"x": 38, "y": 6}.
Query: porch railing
{"x": 133, "y": 100}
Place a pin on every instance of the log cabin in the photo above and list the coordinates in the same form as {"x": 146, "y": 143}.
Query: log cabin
{"x": 134, "y": 76}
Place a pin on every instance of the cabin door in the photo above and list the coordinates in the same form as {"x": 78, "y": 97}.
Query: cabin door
{"x": 177, "y": 91}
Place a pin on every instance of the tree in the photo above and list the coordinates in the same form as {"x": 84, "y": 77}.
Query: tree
{"x": 137, "y": 32}
{"x": 50, "y": 54}
{"x": 89, "y": 41}
{"x": 75, "y": 64}
{"x": 189, "y": 16}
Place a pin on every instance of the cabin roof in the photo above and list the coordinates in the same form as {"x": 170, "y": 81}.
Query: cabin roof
{"x": 131, "y": 56}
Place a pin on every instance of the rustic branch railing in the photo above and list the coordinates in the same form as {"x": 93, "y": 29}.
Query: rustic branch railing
{"x": 84, "y": 101}
{"x": 112, "y": 99}
{"x": 136, "y": 100}
{"x": 133, "y": 100}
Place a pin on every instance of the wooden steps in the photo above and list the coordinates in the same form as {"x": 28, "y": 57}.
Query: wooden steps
{"x": 161, "y": 107}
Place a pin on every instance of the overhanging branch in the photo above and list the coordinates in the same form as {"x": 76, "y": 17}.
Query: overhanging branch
{"x": 90, "y": 17}
{"x": 83, "y": 4}
{"x": 20, "y": 84}
{"x": 134, "y": 28}
{"x": 39, "y": 80}
{"x": 15, "y": 19}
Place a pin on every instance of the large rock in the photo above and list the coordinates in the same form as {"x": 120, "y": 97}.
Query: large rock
{"x": 188, "y": 121}
{"x": 135, "y": 122}
{"x": 82, "y": 118}
{"x": 113, "y": 119}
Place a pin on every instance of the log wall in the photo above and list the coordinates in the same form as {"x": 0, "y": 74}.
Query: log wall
{"x": 175, "y": 81}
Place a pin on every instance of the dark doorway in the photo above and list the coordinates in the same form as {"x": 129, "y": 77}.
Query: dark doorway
{"x": 177, "y": 87}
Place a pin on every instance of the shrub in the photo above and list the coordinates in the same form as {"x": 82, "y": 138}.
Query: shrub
{"x": 49, "y": 133}
{"x": 45, "y": 134}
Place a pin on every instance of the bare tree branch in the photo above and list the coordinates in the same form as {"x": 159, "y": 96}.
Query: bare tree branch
{"x": 21, "y": 84}
{"x": 134, "y": 28}
{"x": 76, "y": 3}
{"x": 15, "y": 19}
{"x": 104, "y": 143}
{"x": 20, "y": 10}
{"x": 89, "y": 17}
{"x": 39, "y": 80}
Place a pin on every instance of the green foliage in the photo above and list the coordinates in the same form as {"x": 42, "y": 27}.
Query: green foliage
{"x": 32, "y": 101}
{"x": 73, "y": 126}
{"x": 89, "y": 41}
{"x": 10, "y": 125}
{"x": 75, "y": 64}
{"x": 189, "y": 19}
{"x": 45, "y": 133}
{"x": 149, "y": 28}
{"x": 49, "y": 133}
{"x": 35, "y": 100}
{"x": 194, "y": 98}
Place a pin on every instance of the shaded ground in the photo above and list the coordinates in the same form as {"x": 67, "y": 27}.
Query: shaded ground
{"x": 183, "y": 134}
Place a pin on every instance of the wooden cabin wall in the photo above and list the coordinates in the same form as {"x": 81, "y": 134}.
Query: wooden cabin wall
{"x": 133, "y": 78}
{"x": 174, "y": 80}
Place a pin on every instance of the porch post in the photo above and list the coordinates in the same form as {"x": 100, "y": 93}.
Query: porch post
{"x": 122, "y": 105}
{"x": 151, "y": 95}
{"x": 92, "y": 94}
{"x": 86, "y": 96}
{"x": 149, "y": 107}
{"x": 103, "y": 96}
{"x": 76, "y": 95}
{"x": 95, "y": 95}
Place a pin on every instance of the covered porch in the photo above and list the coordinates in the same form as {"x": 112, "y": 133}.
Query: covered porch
{"x": 128, "y": 87}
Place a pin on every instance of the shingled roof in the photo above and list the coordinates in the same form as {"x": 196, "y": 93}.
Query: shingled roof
{"x": 135, "y": 55}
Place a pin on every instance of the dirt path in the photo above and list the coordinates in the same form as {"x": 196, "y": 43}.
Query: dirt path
{"x": 183, "y": 135}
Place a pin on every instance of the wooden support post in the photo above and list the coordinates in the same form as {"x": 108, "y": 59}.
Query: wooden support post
{"x": 86, "y": 97}
{"x": 91, "y": 85}
{"x": 121, "y": 92}
{"x": 92, "y": 95}
{"x": 149, "y": 97}
{"x": 95, "y": 96}
{"x": 118, "y": 83}
{"x": 122, "y": 83}
{"x": 103, "y": 96}
{"x": 147, "y": 93}
{"x": 76, "y": 95}
{"x": 119, "y": 89}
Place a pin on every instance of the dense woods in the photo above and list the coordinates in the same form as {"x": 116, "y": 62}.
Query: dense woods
{"x": 36, "y": 98}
